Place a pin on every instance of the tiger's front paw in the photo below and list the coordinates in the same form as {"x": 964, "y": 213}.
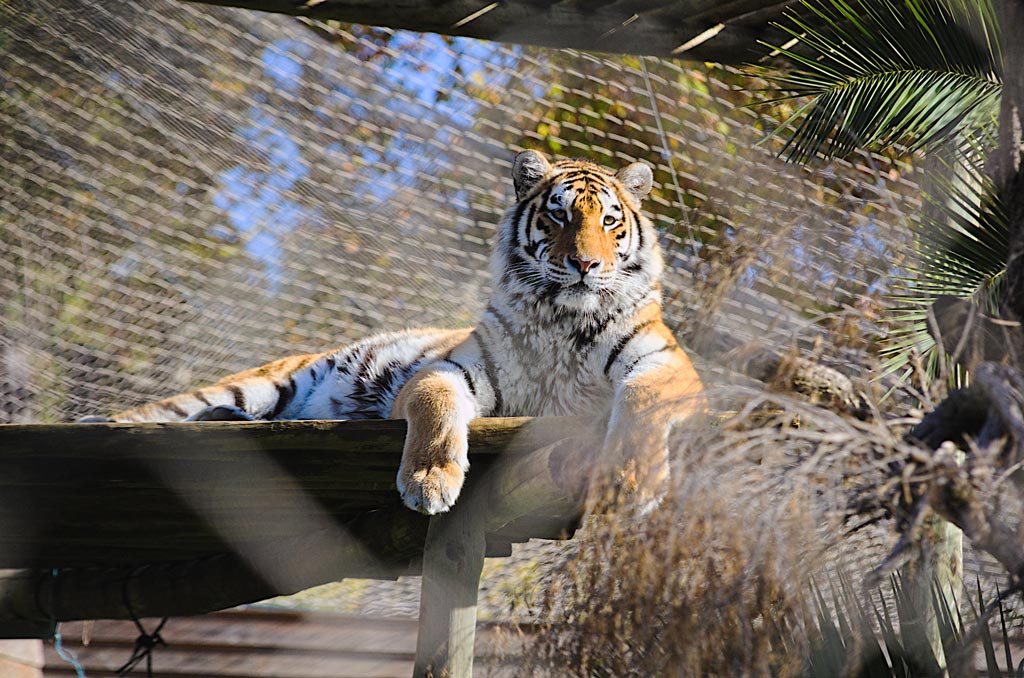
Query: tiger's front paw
{"x": 437, "y": 409}
{"x": 431, "y": 490}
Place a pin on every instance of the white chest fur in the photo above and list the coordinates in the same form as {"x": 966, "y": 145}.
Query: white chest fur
{"x": 547, "y": 369}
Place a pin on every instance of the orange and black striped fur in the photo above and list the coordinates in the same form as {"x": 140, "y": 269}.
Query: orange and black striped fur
{"x": 573, "y": 327}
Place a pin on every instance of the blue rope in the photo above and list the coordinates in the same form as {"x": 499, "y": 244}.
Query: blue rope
{"x": 58, "y": 642}
{"x": 67, "y": 655}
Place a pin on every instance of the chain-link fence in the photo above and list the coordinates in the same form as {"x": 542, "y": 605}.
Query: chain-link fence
{"x": 188, "y": 190}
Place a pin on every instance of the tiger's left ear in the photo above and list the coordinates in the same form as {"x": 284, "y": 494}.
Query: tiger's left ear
{"x": 528, "y": 169}
{"x": 637, "y": 179}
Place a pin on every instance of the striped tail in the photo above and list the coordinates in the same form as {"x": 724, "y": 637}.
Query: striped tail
{"x": 275, "y": 390}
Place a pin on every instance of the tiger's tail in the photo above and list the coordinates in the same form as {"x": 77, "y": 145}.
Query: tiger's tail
{"x": 265, "y": 392}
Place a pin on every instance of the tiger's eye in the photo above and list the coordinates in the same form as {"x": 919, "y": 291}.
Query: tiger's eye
{"x": 558, "y": 216}
{"x": 610, "y": 220}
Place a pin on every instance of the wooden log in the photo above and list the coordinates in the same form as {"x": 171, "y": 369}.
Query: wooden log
{"x": 712, "y": 30}
{"x": 786, "y": 372}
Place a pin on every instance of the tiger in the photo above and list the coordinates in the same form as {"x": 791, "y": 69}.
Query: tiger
{"x": 573, "y": 326}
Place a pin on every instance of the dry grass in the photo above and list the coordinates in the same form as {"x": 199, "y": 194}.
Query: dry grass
{"x": 716, "y": 581}
{"x": 694, "y": 589}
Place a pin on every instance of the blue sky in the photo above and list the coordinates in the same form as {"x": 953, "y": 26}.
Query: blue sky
{"x": 256, "y": 199}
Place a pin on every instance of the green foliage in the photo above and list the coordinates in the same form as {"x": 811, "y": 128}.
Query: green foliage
{"x": 961, "y": 240}
{"x": 879, "y": 73}
{"x": 908, "y": 75}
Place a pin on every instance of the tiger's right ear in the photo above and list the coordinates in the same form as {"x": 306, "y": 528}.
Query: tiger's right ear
{"x": 528, "y": 169}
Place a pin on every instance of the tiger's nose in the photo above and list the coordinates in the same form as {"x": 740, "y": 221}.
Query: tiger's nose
{"x": 583, "y": 266}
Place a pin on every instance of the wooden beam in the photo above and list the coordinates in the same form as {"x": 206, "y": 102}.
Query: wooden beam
{"x": 725, "y": 32}
{"x": 91, "y": 495}
{"x": 453, "y": 558}
{"x": 550, "y": 481}
{"x": 184, "y": 588}
{"x": 531, "y": 494}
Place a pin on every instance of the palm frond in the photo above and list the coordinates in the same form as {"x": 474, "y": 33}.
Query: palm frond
{"x": 962, "y": 242}
{"x": 879, "y": 72}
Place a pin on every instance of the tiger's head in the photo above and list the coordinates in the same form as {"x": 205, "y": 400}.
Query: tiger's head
{"x": 576, "y": 237}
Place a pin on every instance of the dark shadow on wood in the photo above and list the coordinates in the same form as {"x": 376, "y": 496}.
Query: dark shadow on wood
{"x": 115, "y": 520}
{"x": 725, "y": 32}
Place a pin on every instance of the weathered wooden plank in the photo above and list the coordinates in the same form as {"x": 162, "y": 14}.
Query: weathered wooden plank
{"x": 186, "y": 518}
{"x": 77, "y": 494}
{"x": 220, "y": 440}
{"x": 653, "y": 27}
{"x": 264, "y": 643}
{"x": 184, "y": 662}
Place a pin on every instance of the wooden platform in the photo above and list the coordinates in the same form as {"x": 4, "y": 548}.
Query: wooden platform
{"x": 113, "y": 521}
{"x": 77, "y": 495}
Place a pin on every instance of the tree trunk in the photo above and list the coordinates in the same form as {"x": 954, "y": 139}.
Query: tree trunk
{"x": 1006, "y": 162}
{"x": 987, "y": 419}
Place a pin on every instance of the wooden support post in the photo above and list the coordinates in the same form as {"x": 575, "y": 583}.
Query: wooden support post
{"x": 453, "y": 557}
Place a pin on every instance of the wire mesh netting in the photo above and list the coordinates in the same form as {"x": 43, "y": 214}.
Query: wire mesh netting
{"x": 187, "y": 190}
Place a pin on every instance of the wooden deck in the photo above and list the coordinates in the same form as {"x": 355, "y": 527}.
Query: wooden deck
{"x": 114, "y": 521}
{"x": 76, "y": 495}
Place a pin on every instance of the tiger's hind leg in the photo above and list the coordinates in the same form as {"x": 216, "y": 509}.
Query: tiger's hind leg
{"x": 212, "y": 413}
{"x": 221, "y": 413}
